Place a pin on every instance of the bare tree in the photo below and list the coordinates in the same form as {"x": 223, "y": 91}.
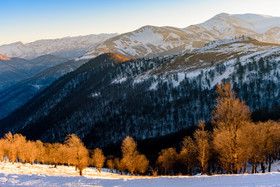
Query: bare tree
{"x": 32, "y": 151}
{"x": 80, "y": 156}
{"x": 120, "y": 165}
{"x": 142, "y": 163}
{"x": 202, "y": 140}
{"x": 188, "y": 154}
{"x": 42, "y": 156}
{"x": 98, "y": 158}
{"x": 110, "y": 163}
{"x": 167, "y": 158}
{"x": 229, "y": 115}
{"x": 129, "y": 152}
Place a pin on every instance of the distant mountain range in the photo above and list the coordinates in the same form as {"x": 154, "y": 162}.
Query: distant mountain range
{"x": 68, "y": 47}
{"x": 151, "y": 41}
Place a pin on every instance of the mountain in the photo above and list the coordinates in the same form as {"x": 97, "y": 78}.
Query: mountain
{"x": 147, "y": 41}
{"x": 13, "y": 70}
{"x": 20, "y": 93}
{"x": 48, "y": 60}
{"x": 223, "y": 26}
{"x": 111, "y": 97}
{"x": 68, "y": 47}
{"x": 150, "y": 41}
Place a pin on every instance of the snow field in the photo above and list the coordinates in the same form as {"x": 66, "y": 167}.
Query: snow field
{"x": 46, "y": 175}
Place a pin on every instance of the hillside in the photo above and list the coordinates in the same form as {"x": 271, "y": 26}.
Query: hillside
{"x": 16, "y": 95}
{"x": 104, "y": 101}
{"x": 14, "y": 70}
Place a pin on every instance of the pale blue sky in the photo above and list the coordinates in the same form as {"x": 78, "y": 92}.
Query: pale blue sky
{"x": 30, "y": 20}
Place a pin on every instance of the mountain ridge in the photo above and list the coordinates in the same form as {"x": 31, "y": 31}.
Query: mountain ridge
{"x": 103, "y": 101}
{"x": 67, "y": 47}
{"x": 150, "y": 41}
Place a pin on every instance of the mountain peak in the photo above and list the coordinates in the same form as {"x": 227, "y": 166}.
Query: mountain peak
{"x": 223, "y": 14}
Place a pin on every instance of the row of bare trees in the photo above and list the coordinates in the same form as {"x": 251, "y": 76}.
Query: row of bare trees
{"x": 71, "y": 152}
{"x": 235, "y": 143}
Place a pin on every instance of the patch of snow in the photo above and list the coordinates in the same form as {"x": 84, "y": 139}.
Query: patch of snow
{"x": 181, "y": 77}
{"x": 153, "y": 86}
{"x": 96, "y": 94}
{"x": 120, "y": 80}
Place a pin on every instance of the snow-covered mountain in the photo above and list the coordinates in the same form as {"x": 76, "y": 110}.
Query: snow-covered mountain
{"x": 147, "y": 41}
{"x": 111, "y": 97}
{"x": 152, "y": 41}
{"x": 224, "y": 26}
{"x": 68, "y": 47}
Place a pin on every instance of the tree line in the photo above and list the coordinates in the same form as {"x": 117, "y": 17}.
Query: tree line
{"x": 235, "y": 143}
{"x": 72, "y": 152}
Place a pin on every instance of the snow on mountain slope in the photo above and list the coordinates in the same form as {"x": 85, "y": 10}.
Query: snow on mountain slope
{"x": 258, "y": 23}
{"x": 152, "y": 41}
{"x": 213, "y": 53}
{"x": 68, "y": 47}
{"x": 146, "y": 41}
{"x": 223, "y": 26}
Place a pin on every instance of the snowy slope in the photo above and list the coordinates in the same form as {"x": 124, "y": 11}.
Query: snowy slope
{"x": 215, "y": 52}
{"x": 258, "y": 23}
{"x": 151, "y": 41}
{"x": 46, "y": 175}
{"x": 146, "y": 41}
{"x": 68, "y": 47}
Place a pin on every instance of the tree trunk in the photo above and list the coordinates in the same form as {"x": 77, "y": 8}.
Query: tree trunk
{"x": 263, "y": 167}
{"x": 245, "y": 166}
{"x": 269, "y": 163}
{"x": 253, "y": 168}
{"x": 81, "y": 172}
{"x": 55, "y": 165}
{"x": 99, "y": 169}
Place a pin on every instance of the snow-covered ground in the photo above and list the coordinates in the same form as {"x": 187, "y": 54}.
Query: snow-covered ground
{"x": 45, "y": 175}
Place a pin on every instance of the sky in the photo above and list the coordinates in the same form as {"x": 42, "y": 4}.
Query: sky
{"x": 30, "y": 20}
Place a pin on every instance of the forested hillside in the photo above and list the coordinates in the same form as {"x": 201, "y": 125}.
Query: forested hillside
{"x": 111, "y": 97}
